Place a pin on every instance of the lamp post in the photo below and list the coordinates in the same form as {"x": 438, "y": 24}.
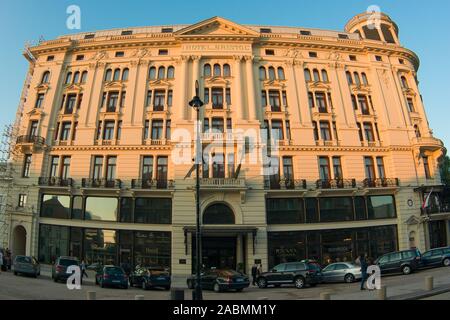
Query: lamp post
{"x": 197, "y": 103}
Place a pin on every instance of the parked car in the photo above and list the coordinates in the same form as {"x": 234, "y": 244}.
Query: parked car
{"x": 111, "y": 276}
{"x": 59, "y": 270}
{"x": 27, "y": 266}
{"x": 94, "y": 266}
{"x": 297, "y": 273}
{"x": 150, "y": 277}
{"x": 341, "y": 272}
{"x": 406, "y": 262}
{"x": 436, "y": 258}
{"x": 220, "y": 280}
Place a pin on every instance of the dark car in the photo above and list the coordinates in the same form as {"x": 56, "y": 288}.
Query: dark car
{"x": 405, "y": 262}
{"x": 150, "y": 277}
{"x": 297, "y": 273}
{"x": 220, "y": 280}
{"x": 26, "y": 266}
{"x": 111, "y": 276}
{"x": 436, "y": 258}
{"x": 59, "y": 270}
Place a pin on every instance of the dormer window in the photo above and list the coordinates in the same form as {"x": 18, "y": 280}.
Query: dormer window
{"x": 270, "y": 52}
{"x": 166, "y": 30}
{"x": 127, "y": 32}
{"x": 305, "y": 32}
{"x": 89, "y": 36}
{"x": 120, "y": 54}
{"x": 265, "y": 30}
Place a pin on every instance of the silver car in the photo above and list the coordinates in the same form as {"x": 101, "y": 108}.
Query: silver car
{"x": 27, "y": 266}
{"x": 341, "y": 272}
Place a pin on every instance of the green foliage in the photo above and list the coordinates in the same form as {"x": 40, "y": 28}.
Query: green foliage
{"x": 445, "y": 170}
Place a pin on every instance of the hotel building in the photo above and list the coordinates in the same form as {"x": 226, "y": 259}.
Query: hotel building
{"x": 316, "y": 144}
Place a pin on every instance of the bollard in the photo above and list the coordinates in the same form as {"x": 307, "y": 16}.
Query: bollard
{"x": 139, "y": 297}
{"x": 177, "y": 294}
{"x": 382, "y": 293}
{"x": 325, "y": 296}
{"x": 429, "y": 283}
{"x": 91, "y": 295}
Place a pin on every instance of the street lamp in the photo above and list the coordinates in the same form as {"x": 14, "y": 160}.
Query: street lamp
{"x": 197, "y": 103}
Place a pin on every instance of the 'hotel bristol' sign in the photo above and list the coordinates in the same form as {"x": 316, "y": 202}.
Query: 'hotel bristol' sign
{"x": 219, "y": 47}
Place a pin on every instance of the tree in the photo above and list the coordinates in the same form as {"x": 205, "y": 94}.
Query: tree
{"x": 444, "y": 168}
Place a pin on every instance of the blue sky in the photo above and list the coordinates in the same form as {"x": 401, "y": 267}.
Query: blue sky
{"x": 423, "y": 27}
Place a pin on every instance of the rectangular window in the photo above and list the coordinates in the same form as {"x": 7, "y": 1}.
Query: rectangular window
{"x": 206, "y": 96}
{"x": 231, "y": 165}
{"x": 305, "y": 32}
{"x": 26, "y": 166}
{"x": 311, "y": 100}
{"x": 33, "y": 131}
{"x": 70, "y": 103}
{"x": 157, "y": 129}
{"x": 369, "y": 168}
{"x": 80, "y": 57}
{"x": 288, "y": 171}
{"x": 217, "y": 98}
{"x": 264, "y": 98}
{"x": 277, "y": 130}
{"x": 163, "y": 52}
{"x": 312, "y": 54}
{"x": 354, "y": 102}
{"x": 324, "y": 168}
{"x": 360, "y": 132}
{"x": 152, "y": 211}
{"x": 368, "y": 131}
{"x": 381, "y": 169}
{"x": 381, "y": 207}
{"x": 113, "y": 99}
{"x": 50, "y": 58}
{"x": 111, "y": 163}
{"x": 270, "y": 52}
{"x": 65, "y": 168}
{"x": 218, "y": 166}
{"x": 39, "y": 100}
{"x": 169, "y": 98}
{"x": 229, "y": 124}
{"x": 148, "y": 101}
{"x": 411, "y": 105}
{"x": 54, "y": 166}
{"x": 336, "y": 209}
{"x": 228, "y": 96}
{"x": 316, "y": 131}
{"x": 65, "y": 131}
{"x": 274, "y": 100}
{"x": 119, "y": 130}
{"x": 284, "y": 96}
{"x": 161, "y": 172}
{"x": 363, "y": 103}
{"x": 97, "y": 169}
{"x": 168, "y": 129}
{"x": 127, "y": 33}
{"x": 217, "y": 125}
{"x": 123, "y": 98}
{"x": 265, "y": 30}
{"x": 120, "y": 54}
{"x": 426, "y": 167}
{"x": 160, "y": 97}
{"x": 108, "y": 130}
{"x": 22, "y": 200}
{"x": 166, "y": 30}
{"x": 101, "y": 209}
{"x": 147, "y": 168}
{"x": 285, "y": 211}
{"x": 337, "y": 168}
{"x": 379, "y": 58}
{"x": 146, "y": 129}
{"x": 352, "y": 57}
{"x": 288, "y": 130}
{"x": 325, "y": 131}
{"x": 99, "y": 131}
{"x": 205, "y": 125}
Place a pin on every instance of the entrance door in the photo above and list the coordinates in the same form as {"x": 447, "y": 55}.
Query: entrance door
{"x": 20, "y": 241}
{"x": 219, "y": 253}
{"x": 438, "y": 234}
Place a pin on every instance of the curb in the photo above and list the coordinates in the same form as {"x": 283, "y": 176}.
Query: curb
{"x": 422, "y": 294}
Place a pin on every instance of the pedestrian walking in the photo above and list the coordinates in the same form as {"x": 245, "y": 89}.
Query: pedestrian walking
{"x": 364, "y": 265}
{"x": 1, "y": 261}
{"x": 254, "y": 274}
{"x": 83, "y": 269}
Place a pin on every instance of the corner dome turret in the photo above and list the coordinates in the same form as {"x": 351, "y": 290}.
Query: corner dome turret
{"x": 376, "y": 26}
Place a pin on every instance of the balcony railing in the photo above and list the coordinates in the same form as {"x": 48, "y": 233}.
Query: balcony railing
{"x": 55, "y": 182}
{"x": 101, "y": 183}
{"x": 381, "y": 183}
{"x": 222, "y": 183}
{"x": 36, "y": 140}
{"x": 287, "y": 184}
{"x": 152, "y": 184}
{"x": 336, "y": 184}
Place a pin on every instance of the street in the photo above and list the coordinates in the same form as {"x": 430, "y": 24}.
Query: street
{"x": 43, "y": 288}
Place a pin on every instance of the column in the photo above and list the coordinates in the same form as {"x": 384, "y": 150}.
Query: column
{"x": 195, "y": 77}
{"x": 292, "y": 95}
{"x": 302, "y": 91}
{"x": 182, "y": 104}
{"x": 237, "y": 96}
{"x": 250, "y": 88}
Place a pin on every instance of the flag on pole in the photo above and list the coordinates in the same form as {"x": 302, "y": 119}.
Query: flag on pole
{"x": 426, "y": 203}
{"x": 188, "y": 175}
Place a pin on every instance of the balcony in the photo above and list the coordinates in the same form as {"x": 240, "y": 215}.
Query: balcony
{"x": 30, "y": 143}
{"x": 55, "y": 182}
{"x": 381, "y": 183}
{"x": 220, "y": 183}
{"x": 148, "y": 184}
{"x": 336, "y": 184}
{"x": 285, "y": 184}
{"x": 428, "y": 143}
{"x": 101, "y": 183}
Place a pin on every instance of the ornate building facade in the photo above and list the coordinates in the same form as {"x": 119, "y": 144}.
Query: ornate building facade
{"x": 315, "y": 145}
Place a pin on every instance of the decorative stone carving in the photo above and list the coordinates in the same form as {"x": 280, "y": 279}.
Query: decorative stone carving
{"x": 141, "y": 53}
{"x": 293, "y": 53}
{"x": 100, "y": 55}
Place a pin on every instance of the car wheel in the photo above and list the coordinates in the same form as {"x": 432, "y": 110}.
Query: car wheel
{"x": 349, "y": 278}
{"x": 102, "y": 285}
{"x": 239, "y": 290}
{"x": 406, "y": 270}
{"x": 144, "y": 285}
{"x": 262, "y": 283}
{"x": 131, "y": 283}
{"x": 446, "y": 262}
{"x": 216, "y": 287}
{"x": 55, "y": 279}
{"x": 15, "y": 273}
{"x": 167, "y": 288}
{"x": 299, "y": 282}
{"x": 190, "y": 284}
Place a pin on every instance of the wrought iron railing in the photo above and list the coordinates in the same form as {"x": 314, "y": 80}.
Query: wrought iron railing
{"x": 101, "y": 183}
{"x": 55, "y": 182}
{"x": 152, "y": 184}
{"x": 336, "y": 184}
{"x": 381, "y": 183}
{"x": 36, "y": 140}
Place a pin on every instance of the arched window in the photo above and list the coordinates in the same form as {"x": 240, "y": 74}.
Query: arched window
{"x": 84, "y": 77}
{"x": 324, "y": 75}
{"x": 281, "y": 74}
{"x": 170, "y": 72}
{"x": 45, "y": 77}
{"x": 404, "y": 82}
{"x": 116, "y": 76}
{"x": 262, "y": 73}
{"x": 125, "y": 74}
{"x": 349, "y": 77}
{"x": 226, "y": 70}
{"x": 316, "y": 75}
{"x": 307, "y": 75}
{"x": 218, "y": 214}
{"x": 108, "y": 75}
{"x": 271, "y": 73}
{"x": 357, "y": 79}
{"x": 217, "y": 71}
{"x": 152, "y": 73}
{"x": 161, "y": 73}
{"x": 364, "y": 79}
{"x": 76, "y": 77}
{"x": 68, "y": 77}
{"x": 207, "y": 70}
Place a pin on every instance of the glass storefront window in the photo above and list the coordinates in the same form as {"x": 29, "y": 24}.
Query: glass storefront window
{"x": 126, "y": 210}
{"x": 382, "y": 240}
{"x": 337, "y": 246}
{"x": 76, "y": 240}
{"x": 54, "y": 206}
{"x": 152, "y": 249}
{"x": 360, "y": 208}
{"x": 312, "y": 213}
{"x": 153, "y": 211}
{"x": 100, "y": 246}
{"x": 53, "y": 242}
{"x": 285, "y": 211}
{"x": 286, "y": 247}
{"x": 336, "y": 209}
{"x": 381, "y": 207}
{"x": 77, "y": 208}
{"x": 101, "y": 209}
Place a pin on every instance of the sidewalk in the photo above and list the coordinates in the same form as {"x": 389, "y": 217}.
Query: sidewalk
{"x": 46, "y": 272}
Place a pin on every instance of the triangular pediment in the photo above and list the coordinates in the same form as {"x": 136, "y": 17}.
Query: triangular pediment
{"x": 36, "y": 112}
{"x": 217, "y": 26}
{"x": 73, "y": 87}
{"x": 160, "y": 83}
{"x": 413, "y": 220}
